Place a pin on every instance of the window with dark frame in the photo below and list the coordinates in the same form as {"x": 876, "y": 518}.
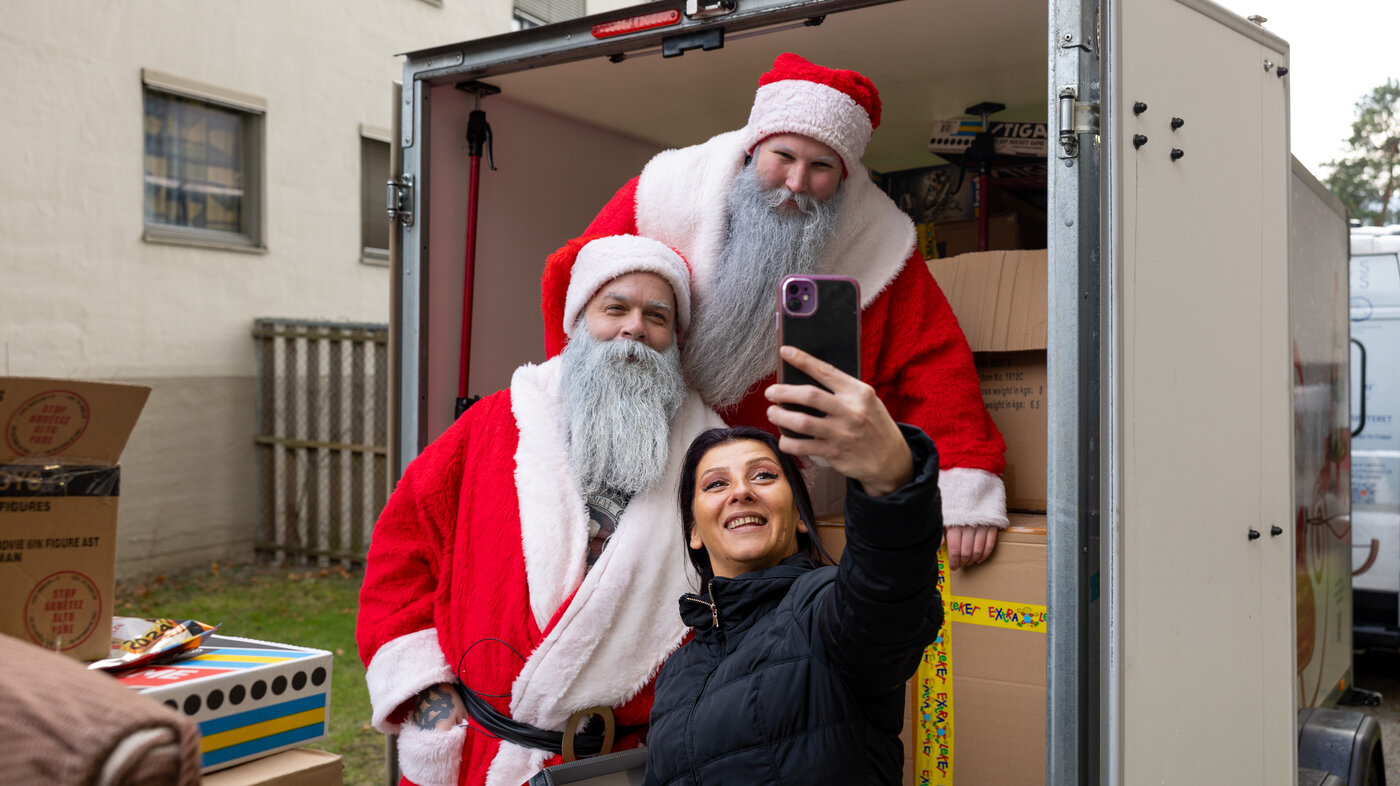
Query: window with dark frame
{"x": 374, "y": 220}
{"x": 201, "y": 170}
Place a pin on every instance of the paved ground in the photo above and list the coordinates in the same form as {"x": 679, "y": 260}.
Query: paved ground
{"x": 1380, "y": 671}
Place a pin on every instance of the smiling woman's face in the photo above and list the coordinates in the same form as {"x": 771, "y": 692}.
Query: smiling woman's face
{"x": 745, "y": 514}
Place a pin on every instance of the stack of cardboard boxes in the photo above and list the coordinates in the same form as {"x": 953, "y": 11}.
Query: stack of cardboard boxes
{"x": 977, "y": 705}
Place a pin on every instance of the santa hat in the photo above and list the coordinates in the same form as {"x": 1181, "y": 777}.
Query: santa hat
{"x": 575, "y": 273}
{"x": 836, "y": 107}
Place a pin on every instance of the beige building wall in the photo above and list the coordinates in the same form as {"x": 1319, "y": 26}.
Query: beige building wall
{"x": 82, "y": 295}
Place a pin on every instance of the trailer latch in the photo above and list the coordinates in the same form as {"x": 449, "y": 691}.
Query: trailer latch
{"x": 704, "y": 9}
{"x": 1075, "y": 118}
{"x": 399, "y": 199}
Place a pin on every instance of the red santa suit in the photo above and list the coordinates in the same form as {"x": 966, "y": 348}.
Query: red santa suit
{"x": 480, "y": 554}
{"x": 912, "y": 351}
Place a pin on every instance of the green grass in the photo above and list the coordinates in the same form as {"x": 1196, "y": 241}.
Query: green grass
{"x": 306, "y": 607}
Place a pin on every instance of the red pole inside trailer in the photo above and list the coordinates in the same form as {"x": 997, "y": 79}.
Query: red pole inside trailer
{"x": 468, "y": 274}
{"x": 478, "y": 138}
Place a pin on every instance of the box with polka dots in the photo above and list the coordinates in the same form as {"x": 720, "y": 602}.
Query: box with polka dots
{"x": 250, "y": 698}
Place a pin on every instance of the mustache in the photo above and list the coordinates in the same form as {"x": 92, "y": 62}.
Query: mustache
{"x": 806, "y": 203}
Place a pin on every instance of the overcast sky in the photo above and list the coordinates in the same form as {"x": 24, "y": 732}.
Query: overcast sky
{"x": 1338, "y": 51}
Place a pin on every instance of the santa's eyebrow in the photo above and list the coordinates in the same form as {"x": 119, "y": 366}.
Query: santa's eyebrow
{"x": 621, "y": 298}
{"x": 782, "y": 148}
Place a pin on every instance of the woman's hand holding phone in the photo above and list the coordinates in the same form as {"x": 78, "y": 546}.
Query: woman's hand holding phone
{"x": 857, "y": 436}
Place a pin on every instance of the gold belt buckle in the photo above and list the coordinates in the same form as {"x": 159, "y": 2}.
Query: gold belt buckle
{"x": 575, "y": 720}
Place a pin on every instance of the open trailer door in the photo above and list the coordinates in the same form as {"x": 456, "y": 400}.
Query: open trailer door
{"x": 1198, "y": 543}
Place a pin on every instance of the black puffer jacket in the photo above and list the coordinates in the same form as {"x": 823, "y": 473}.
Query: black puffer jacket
{"x": 796, "y": 673}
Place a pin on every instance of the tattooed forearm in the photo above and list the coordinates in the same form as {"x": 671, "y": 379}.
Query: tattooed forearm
{"x": 434, "y": 706}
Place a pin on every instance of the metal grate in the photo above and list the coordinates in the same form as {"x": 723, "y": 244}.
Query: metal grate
{"x": 322, "y": 438}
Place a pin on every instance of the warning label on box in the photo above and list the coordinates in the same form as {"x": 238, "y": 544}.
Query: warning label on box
{"x": 63, "y": 610}
{"x": 47, "y": 423}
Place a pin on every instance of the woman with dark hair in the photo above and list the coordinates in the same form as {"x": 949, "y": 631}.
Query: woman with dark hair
{"x": 797, "y": 669}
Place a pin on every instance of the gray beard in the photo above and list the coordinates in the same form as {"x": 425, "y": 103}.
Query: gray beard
{"x": 618, "y": 412}
{"x": 732, "y": 342}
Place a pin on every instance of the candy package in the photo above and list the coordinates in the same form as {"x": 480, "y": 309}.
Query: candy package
{"x": 141, "y": 642}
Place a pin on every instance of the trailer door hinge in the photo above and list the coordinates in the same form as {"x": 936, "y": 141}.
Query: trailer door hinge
{"x": 1075, "y": 118}
{"x": 704, "y": 9}
{"x": 399, "y": 199}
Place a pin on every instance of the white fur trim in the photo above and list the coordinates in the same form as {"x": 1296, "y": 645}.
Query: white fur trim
{"x": 622, "y": 623}
{"x": 812, "y": 109}
{"x": 553, "y": 517}
{"x": 514, "y": 765}
{"x": 972, "y": 497}
{"x": 681, "y": 197}
{"x": 606, "y": 258}
{"x": 431, "y": 757}
{"x": 401, "y": 669}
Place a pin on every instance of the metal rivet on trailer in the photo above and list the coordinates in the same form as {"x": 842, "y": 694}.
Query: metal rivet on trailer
{"x": 1139, "y": 107}
{"x": 1139, "y": 140}
{"x": 1275, "y": 530}
{"x": 1069, "y": 37}
{"x": 1253, "y": 534}
{"x": 1069, "y": 222}
{"x": 1177, "y": 154}
{"x": 1177, "y": 123}
{"x": 1282, "y": 71}
{"x": 1268, "y": 64}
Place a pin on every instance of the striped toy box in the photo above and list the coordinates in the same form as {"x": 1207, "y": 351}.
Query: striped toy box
{"x": 250, "y": 698}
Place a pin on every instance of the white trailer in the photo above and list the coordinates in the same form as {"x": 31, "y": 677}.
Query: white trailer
{"x": 1174, "y": 228}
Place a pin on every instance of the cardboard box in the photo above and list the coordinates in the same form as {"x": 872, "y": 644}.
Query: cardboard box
{"x": 58, "y": 509}
{"x": 297, "y": 767}
{"x": 988, "y": 688}
{"x": 999, "y": 298}
{"x": 950, "y": 238}
{"x": 250, "y": 698}
{"x": 992, "y": 684}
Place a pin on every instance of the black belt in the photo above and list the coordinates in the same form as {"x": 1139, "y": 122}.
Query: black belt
{"x": 577, "y": 739}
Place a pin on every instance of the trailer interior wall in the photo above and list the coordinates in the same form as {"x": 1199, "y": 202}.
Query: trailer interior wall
{"x": 553, "y": 173}
{"x": 1201, "y": 614}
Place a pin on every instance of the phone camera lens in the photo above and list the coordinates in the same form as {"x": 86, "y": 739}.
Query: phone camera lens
{"x": 794, "y": 304}
{"x": 792, "y": 289}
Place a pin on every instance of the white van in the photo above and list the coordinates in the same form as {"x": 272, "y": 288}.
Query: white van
{"x": 1375, "y": 424}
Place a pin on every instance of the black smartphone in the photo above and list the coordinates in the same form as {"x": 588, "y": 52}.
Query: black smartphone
{"x": 821, "y": 316}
